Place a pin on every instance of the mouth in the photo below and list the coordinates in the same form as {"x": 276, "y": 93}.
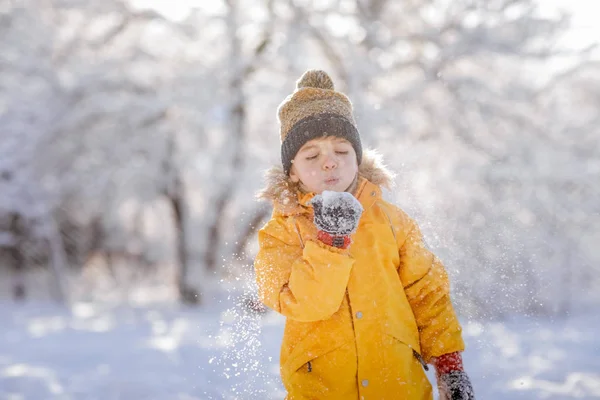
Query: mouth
{"x": 331, "y": 181}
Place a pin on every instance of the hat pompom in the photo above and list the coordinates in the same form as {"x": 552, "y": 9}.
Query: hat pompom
{"x": 316, "y": 79}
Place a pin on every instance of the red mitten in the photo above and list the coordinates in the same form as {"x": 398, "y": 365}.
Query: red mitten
{"x": 341, "y": 242}
{"x": 452, "y": 380}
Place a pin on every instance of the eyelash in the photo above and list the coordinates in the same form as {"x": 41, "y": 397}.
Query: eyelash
{"x": 316, "y": 155}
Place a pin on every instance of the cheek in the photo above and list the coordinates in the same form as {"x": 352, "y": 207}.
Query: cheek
{"x": 348, "y": 163}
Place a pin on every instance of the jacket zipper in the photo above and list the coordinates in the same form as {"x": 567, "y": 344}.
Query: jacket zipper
{"x": 309, "y": 366}
{"x": 418, "y": 357}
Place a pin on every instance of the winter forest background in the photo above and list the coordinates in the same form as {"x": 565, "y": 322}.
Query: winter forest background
{"x": 134, "y": 135}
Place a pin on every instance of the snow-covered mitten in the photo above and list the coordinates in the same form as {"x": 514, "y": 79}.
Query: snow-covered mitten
{"x": 336, "y": 217}
{"x": 452, "y": 381}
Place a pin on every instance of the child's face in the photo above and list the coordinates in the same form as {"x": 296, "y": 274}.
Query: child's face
{"x": 325, "y": 164}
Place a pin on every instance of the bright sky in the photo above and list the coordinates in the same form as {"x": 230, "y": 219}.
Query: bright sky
{"x": 585, "y": 27}
{"x": 585, "y": 14}
{"x": 178, "y": 10}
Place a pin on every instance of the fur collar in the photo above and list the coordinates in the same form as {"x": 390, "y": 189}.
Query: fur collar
{"x": 283, "y": 193}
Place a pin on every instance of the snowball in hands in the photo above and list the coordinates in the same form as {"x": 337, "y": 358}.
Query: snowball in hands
{"x": 336, "y": 213}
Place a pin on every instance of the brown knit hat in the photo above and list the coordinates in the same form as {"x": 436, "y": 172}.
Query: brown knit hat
{"x": 315, "y": 110}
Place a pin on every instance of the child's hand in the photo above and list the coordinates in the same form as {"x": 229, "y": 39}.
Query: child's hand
{"x": 455, "y": 385}
{"x": 452, "y": 381}
{"x": 336, "y": 213}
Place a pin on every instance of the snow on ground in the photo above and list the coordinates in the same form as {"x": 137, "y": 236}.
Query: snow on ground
{"x": 162, "y": 352}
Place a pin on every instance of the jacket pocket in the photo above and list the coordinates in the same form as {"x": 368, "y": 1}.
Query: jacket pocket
{"x": 330, "y": 375}
{"x": 402, "y": 338}
{"x": 304, "y": 356}
{"x": 404, "y": 369}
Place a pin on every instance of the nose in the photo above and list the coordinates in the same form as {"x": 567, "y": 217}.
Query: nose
{"x": 329, "y": 163}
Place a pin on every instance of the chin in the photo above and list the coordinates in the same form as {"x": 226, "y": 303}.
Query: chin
{"x": 340, "y": 187}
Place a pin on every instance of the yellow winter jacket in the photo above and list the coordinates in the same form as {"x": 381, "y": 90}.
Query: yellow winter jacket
{"x": 359, "y": 321}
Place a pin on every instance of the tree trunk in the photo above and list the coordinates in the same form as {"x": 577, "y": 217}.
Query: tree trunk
{"x": 240, "y": 69}
{"x": 58, "y": 260}
{"x": 234, "y": 143}
{"x": 17, "y": 258}
{"x": 186, "y": 293}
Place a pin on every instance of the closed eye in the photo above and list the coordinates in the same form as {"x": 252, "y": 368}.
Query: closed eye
{"x": 342, "y": 152}
{"x": 312, "y": 158}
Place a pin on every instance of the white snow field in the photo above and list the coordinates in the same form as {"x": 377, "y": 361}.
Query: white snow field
{"x": 169, "y": 352}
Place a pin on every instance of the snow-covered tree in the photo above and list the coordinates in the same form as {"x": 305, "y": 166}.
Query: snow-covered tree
{"x": 130, "y": 131}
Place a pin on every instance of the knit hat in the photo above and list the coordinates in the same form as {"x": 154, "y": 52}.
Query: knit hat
{"x": 315, "y": 110}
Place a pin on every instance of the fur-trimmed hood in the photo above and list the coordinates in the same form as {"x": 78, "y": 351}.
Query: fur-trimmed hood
{"x": 283, "y": 193}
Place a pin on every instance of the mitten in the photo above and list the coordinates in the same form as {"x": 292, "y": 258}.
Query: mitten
{"x": 452, "y": 381}
{"x": 336, "y": 217}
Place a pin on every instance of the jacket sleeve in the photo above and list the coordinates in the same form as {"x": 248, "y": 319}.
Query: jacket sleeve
{"x": 427, "y": 289}
{"x": 304, "y": 284}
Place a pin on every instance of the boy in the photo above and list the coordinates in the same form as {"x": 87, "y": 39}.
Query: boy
{"x": 367, "y": 306}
